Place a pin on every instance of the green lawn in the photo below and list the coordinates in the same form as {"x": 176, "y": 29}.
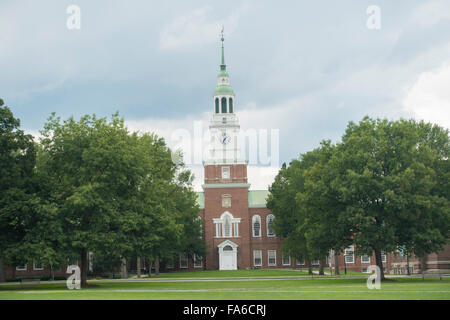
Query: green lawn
{"x": 258, "y": 273}
{"x": 307, "y": 288}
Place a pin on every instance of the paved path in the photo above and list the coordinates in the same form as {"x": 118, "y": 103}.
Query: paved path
{"x": 234, "y": 279}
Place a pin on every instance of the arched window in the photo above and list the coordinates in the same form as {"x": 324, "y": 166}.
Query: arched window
{"x": 227, "y": 248}
{"x": 230, "y": 104}
{"x": 224, "y": 105}
{"x": 227, "y": 227}
{"x": 269, "y": 223}
{"x": 217, "y": 105}
{"x": 256, "y": 223}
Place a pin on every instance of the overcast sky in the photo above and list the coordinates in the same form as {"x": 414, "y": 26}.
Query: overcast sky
{"x": 303, "y": 67}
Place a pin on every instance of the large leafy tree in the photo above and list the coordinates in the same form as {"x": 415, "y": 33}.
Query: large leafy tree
{"x": 388, "y": 180}
{"x": 17, "y": 160}
{"x": 92, "y": 171}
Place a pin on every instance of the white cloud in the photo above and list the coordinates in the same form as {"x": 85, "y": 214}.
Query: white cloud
{"x": 194, "y": 28}
{"x": 431, "y": 13}
{"x": 429, "y": 97}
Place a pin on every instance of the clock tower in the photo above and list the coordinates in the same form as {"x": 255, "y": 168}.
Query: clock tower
{"x": 226, "y": 221}
{"x": 224, "y": 151}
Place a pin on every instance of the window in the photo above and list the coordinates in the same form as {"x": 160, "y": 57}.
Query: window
{"x": 315, "y": 262}
{"x": 272, "y": 257}
{"x": 286, "y": 259}
{"x": 236, "y": 229}
{"x": 256, "y": 221}
{"x": 269, "y": 221}
{"x": 183, "y": 260}
{"x": 21, "y": 267}
{"x": 198, "y": 261}
{"x": 227, "y": 227}
{"x": 217, "y": 105}
{"x": 224, "y": 120}
{"x": 218, "y": 235}
{"x": 230, "y": 102}
{"x": 300, "y": 261}
{"x": 257, "y": 258}
{"x": 383, "y": 256}
{"x": 349, "y": 255}
{"x": 225, "y": 172}
{"x": 224, "y": 105}
{"x": 37, "y": 265}
{"x": 365, "y": 259}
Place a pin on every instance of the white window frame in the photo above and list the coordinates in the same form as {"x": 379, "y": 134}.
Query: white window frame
{"x": 197, "y": 259}
{"x": 274, "y": 252}
{"x": 184, "y": 256}
{"x": 254, "y": 220}
{"x": 267, "y": 225}
{"x": 352, "y": 250}
{"x": 300, "y": 262}
{"x": 260, "y": 258}
{"x": 224, "y": 224}
{"x": 363, "y": 261}
{"x": 315, "y": 262}
{"x": 37, "y": 269}
{"x": 383, "y": 257}
{"x": 218, "y": 229}
{"x": 283, "y": 256}
{"x": 24, "y": 267}
{"x": 220, "y": 225}
{"x": 225, "y": 175}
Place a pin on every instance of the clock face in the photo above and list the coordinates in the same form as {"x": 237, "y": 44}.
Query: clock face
{"x": 225, "y": 138}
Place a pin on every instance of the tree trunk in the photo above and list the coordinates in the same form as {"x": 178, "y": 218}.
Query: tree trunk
{"x": 423, "y": 265}
{"x": 157, "y": 266}
{"x": 336, "y": 262}
{"x": 379, "y": 263}
{"x": 2, "y": 271}
{"x": 321, "y": 266}
{"x": 138, "y": 267}
{"x": 150, "y": 262}
{"x": 124, "y": 274}
{"x": 310, "y": 270}
{"x": 84, "y": 267}
{"x": 407, "y": 264}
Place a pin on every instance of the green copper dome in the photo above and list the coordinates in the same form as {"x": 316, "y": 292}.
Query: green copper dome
{"x": 223, "y": 73}
{"x": 223, "y": 89}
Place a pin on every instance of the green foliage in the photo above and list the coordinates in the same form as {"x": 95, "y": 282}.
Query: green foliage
{"x": 384, "y": 186}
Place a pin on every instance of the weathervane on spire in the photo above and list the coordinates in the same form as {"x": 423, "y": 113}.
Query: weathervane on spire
{"x": 222, "y": 38}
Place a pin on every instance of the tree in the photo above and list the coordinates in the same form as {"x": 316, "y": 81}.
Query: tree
{"x": 386, "y": 179}
{"x": 289, "y": 221}
{"x": 17, "y": 159}
{"x": 92, "y": 173}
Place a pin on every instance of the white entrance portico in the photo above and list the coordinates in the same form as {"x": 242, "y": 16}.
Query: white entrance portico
{"x": 227, "y": 255}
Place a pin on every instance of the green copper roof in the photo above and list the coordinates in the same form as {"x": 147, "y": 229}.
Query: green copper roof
{"x": 223, "y": 73}
{"x": 223, "y": 89}
{"x": 201, "y": 200}
{"x": 256, "y": 199}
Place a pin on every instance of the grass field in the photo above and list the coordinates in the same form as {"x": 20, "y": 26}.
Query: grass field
{"x": 191, "y": 289}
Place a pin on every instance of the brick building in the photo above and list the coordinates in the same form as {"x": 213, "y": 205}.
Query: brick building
{"x": 237, "y": 224}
